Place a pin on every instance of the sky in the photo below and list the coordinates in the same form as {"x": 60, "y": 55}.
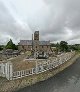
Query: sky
{"x": 56, "y": 20}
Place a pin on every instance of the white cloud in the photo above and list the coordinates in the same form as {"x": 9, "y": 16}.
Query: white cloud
{"x": 56, "y": 20}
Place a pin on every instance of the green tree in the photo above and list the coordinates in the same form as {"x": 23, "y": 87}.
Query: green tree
{"x": 1, "y": 48}
{"x": 63, "y": 46}
{"x": 57, "y": 47}
{"x": 53, "y": 45}
{"x": 11, "y": 45}
{"x": 75, "y": 47}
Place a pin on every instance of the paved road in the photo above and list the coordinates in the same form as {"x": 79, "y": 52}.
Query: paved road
{"x": 66, "y": 81}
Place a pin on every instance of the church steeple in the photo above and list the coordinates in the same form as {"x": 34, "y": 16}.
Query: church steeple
{"x": 36, "y": 35}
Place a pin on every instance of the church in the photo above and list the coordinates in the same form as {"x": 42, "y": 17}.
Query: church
{"x": 34, "y": 45}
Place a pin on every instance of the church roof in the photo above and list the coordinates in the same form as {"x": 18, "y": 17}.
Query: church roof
{"x": 44, "y": 42}
{"x": 25, "y": 42}
{"x": 29, "y": 42}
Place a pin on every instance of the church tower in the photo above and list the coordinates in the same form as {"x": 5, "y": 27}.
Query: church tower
{"x": 36, "y": 35}
{"x": 36, "y": 41}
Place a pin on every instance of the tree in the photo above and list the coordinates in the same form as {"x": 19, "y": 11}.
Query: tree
{"x": 57, "y": 47}
{"x": 11, "y": 45}
{"x": 1, "y": 48}
{"x": 63, "y": 46}
{"x": 75, "y": 47}
{"x": 53, "y": 45}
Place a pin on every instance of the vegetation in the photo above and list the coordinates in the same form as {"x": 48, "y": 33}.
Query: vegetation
{"x": 53, "y": 45}
{"x": 1, "y": 47}
{"x": 11, "y": 45}
{"x": 75, "y": 47}
{"x": 63, "y": 46}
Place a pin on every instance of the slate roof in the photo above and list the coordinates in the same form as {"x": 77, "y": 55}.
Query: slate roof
{"x": 25, "y": 42}
{"x": 29, "y": 42}
{"x": 44, "y": 42}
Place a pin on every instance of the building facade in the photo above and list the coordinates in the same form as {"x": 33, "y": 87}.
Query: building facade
{"x": 35, "y": 44}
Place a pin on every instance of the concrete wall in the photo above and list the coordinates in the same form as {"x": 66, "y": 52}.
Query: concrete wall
{"x": 6, "y": 70}
{"x": 2, "y": 69}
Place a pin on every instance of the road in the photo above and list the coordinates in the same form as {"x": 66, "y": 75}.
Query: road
{"x": 66, "y": 81}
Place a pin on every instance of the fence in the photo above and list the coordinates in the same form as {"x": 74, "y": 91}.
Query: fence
{"x": 50, "y": 64}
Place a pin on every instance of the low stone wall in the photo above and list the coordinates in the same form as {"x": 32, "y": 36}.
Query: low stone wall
{"x": 13, "y": 85}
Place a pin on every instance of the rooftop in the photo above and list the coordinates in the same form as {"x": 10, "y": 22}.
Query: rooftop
{"x": 29, "y": 42}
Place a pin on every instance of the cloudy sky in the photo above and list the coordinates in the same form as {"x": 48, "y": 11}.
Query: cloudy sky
{"x": 55, "y": 19}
